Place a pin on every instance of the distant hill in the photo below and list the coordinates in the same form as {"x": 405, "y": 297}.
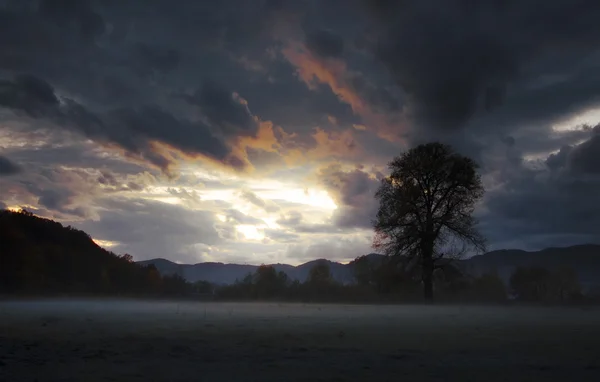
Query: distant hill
{"x": 220, "y": 273}
{"x": 584, "y": 259}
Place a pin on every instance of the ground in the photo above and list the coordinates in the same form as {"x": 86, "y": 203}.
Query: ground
{"x": 127, "y": 340}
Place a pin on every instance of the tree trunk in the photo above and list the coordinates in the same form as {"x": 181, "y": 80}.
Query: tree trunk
{"x": 427, "y": 274}
{"x": 428, "y": 283}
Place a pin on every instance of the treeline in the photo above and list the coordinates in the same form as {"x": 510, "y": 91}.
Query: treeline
{"x": 389, "y": 280}
{"x": 41, "y": 257}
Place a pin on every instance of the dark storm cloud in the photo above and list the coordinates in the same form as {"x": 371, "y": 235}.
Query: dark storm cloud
{"x": 28, "y": 94}
{"x": 76, "y": 14}
{"x": 324, "y": 43}
{"x": 132, "y": 128}
{"x": 223, "y": 110}
{"x": 148, "y": 59}
{"x": 585, "y": 158}
{"x": 101, "y": 67}
{"x": 8, "y": 167}
{"x": 540, "y": 206}
{"x": 456, "y": 58}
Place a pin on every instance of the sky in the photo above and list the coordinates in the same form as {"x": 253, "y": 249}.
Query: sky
{"x": 257, "y": 131}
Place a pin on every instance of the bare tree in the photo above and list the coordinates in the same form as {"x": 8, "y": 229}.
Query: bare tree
{"x": 426, "y": 207}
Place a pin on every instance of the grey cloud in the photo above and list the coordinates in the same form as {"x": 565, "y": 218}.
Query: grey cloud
{"x": 131, "y": 128}
{"x": 585, "y": 158}
{"x": 241, "y": 218}
{"x": 28, "y": 94}
{"x": 148, "y": 229}
{"x": 8, "y": 167}
{"x": 294, "y": 221}
{"x": 251, "y": 197}
{"x": 107, "y": 178}
{"x": 149, "y": 59}
{"x": 324, "y": 43}
{"x": 281, "y": 236}
{"x": 223, "y": 111}
{"x": 75, "y": 14}
{"x": 578, "y": 159}
{"x": 290, "y": 219}
{"x": 537, "y": 206}
{"x": 336, "y": 248}
{"x": 354, "y": 193}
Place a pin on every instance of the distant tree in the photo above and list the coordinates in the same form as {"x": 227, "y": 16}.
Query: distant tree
{"x": 489, "y": 287}
{"x": 426, "y": 205}
{"x": 565, "y": 284}
{"x": 530, "y": 283}
{"x": 363, "y": 269}
{"x": 541, "y": 284}
{"x": 202, "y": 287}
{"x": 268, "y": 282}
{"x": 320, "y": 274}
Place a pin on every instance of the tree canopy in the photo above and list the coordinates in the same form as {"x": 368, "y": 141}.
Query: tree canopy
{"x": 426, "y": 206}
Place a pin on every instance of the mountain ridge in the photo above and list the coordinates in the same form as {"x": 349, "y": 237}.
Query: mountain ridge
{"x": 583, "y": 258}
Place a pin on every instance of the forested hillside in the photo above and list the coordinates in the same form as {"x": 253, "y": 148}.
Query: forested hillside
{"x": 41, "y": 256}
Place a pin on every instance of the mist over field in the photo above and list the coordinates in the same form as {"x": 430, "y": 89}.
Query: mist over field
{"x": 102, "y": 339}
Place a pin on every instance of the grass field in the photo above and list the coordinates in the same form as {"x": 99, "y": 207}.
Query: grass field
{"x": 128, "y": 340}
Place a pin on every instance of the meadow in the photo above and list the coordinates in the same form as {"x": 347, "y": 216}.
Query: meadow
{"x": 144, "y": 340}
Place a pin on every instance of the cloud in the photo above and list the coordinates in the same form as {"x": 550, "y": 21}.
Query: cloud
{"x": 324, "y": 43}
{"x": 378, "y": 106}
{"x": 354, "y": 193}
{"x": 114, "y": 109}
{"x": 225, "y": 110}
{"x": 546, "y": 202}
{"x": 455, "y": 60}
{"x": 7, "y": 167}
{"x": 134, "y": 129}
{"x": 28, "y": 94}
{"x": 344, "y": 248}
{"x": 148, "y": 229}
{"x": 241, "y": 218}
{"x": 585, "y": 157}
{"x": 252, "y": 198}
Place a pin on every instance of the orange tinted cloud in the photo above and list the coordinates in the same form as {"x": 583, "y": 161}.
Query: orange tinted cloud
{"x": 313, "y": 70}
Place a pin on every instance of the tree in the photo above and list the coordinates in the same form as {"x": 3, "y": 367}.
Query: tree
{"x": 489, "y": 287}
{"x": 540, "y": 284}
{"x": 320, "y": 274}
{"x": 268, "y": 282}
{"x": 425, "y": 209}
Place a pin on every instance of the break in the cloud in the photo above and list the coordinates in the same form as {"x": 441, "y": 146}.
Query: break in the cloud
{"x": 258, "y": 131}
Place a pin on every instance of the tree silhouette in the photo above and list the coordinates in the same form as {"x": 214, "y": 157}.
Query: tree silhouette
{"x": 268, "y": 282}
{"x": 425, "y": 209}
{"x": 320, "y": 274}
{"x": 540, "y": 284}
